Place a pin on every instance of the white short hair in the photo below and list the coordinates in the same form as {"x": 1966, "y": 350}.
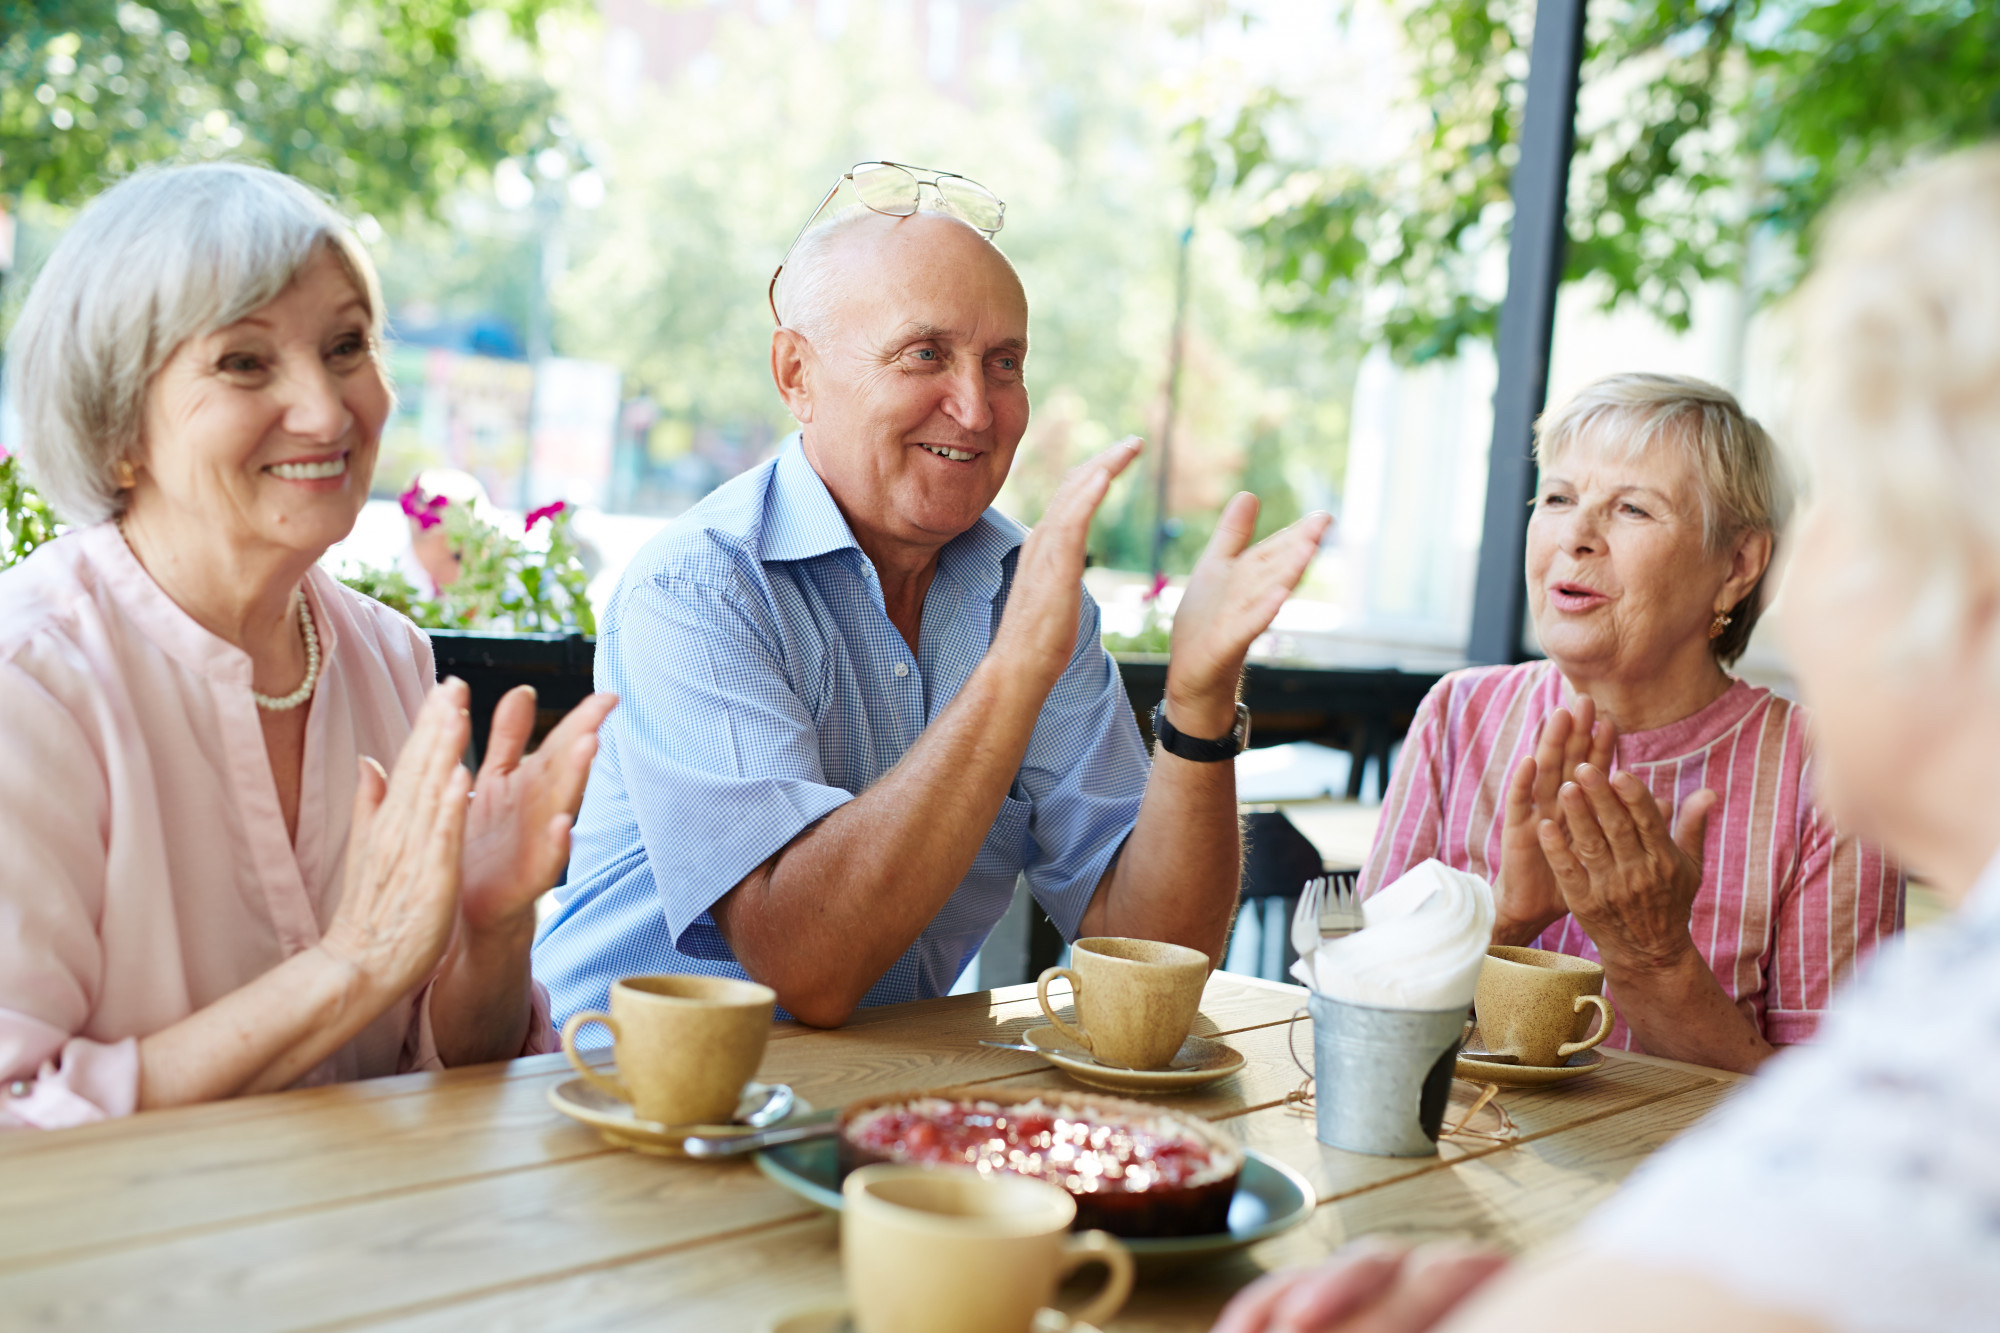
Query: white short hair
{"x": 165, "y": 255}
{"x": 1743, "y": 482}
{"x": 1899, "y": 388}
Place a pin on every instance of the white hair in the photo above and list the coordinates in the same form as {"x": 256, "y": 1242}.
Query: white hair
{"x": 810, "y": 289}
{"x": 1743, "y": 484}
{"x": 1899, "y": 388}
{"x": 165, "y": 255}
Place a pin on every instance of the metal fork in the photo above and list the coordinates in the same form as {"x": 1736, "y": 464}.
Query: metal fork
{"x": 1340, "y": 906}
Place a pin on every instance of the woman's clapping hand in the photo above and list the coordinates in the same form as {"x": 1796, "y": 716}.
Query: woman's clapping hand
{"x": 1372, "y": 1286}
{"x": 1628, "y": 880}
{"x": 400, "y": 899}
{"x": 1526, "y": 896}
{"x": 517, "y": 831}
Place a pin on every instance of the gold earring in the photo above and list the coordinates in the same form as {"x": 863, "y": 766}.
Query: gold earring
{"x": 127, "y": 478}
{"x": 1720, "y": 623}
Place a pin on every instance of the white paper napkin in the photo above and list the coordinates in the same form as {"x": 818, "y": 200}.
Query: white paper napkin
{"x": 1422, "y": 947}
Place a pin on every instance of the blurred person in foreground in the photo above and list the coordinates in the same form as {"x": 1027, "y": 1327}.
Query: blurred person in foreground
{"x": 1696, "y": 863}
{"x": 1855, "y": 1185}
{"x": 861, "y": 701}
{"x": 213, "y": 885}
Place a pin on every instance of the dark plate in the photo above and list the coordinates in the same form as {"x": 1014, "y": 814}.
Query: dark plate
{"x": 1270, "y": 1198}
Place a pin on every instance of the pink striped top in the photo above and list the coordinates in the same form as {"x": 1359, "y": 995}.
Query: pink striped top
{"x": 1788, "y": 903}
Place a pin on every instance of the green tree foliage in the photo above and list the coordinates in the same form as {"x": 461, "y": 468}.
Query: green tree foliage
{"x": 26, "y": 521}
{"x": 1068, "y": 120}
{"x": 1703, "y": 123}
{"x": 383, "y": 103}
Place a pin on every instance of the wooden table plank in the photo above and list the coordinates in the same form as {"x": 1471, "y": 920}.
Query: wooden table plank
{"x": 1515, "y": 1199}
{"x": 1623, "y": 1086}
{"x": 344, "y": 1261}
{"x": 461, "y": 1199}
{"x": 122, "y": 1180}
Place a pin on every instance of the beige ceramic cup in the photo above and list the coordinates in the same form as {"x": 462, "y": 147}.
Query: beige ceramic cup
{"x": 926, "y": 1249}
{"x": 685, "y": 1045}
{"x": 1529, "y": 1001}
{"x": 1135, "y": 999}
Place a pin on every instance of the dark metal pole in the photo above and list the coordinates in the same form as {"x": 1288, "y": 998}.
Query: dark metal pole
{"x": 1527, "y": 324}
{"x": 1163, "y": 471}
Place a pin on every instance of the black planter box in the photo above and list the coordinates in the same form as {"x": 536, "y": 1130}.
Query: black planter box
{"x": 557, "y": 665}
{"x": 1362, "y": 711}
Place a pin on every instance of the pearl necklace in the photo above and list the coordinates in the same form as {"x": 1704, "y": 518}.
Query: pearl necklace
{"x": 305, "y": 689}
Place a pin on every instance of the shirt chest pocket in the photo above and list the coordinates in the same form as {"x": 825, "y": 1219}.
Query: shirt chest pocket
{"x": 1008, "y": 843}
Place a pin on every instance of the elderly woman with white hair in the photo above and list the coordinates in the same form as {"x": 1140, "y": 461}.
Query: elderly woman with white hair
{"x": 1631, "y": 801}
{"x": 1854, "y": 1186}
{"x": 213, "y": 885}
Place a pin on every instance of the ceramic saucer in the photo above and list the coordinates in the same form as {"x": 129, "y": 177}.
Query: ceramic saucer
{"x": 1529, "y": 1076}
{"x": 1198, "y": 1063}
{"x": 621, "y": 1127}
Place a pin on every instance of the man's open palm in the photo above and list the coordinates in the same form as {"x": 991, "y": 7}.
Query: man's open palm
{"x": 1235, "y": 593}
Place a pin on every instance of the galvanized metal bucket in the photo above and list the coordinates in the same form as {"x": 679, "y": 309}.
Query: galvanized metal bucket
{"x": 1382, "y": 1076}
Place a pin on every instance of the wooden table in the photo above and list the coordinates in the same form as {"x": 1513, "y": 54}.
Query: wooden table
{"x": 461, "y": 1200}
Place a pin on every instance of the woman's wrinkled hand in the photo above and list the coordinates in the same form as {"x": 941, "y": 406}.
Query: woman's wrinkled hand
{"x": 1371, "y": 1286}
{"x": 1628, "y": 882}
{"x": 1526, "y": 898}
{"x": 517, "y": 830}
{"x": 400, "y": 899}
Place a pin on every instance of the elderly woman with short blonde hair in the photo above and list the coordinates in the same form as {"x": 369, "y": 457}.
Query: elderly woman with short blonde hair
{"x": 240, "y": 850}
{"x": 1854, "y": 1186}
{"x": 1631, "y": 800}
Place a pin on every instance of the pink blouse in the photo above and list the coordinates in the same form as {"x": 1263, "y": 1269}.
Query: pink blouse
{"x": 145, "y": 870}
{"x": 1788, "y": 902}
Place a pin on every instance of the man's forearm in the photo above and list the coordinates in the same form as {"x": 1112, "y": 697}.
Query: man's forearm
{"x": 1178, "y": 875}
{"x": 826, "y": 917}
{"x": 1682, "y": 1013}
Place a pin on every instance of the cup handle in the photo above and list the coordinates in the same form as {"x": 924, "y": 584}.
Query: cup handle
{"x": 1103, "y": 1248}
{"x": 604, "y": 1082}
{"x": 1077, "y": 1035}
{"x": 1606, "y": 1019}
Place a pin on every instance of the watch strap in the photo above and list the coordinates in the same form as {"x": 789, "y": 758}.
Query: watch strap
{"x": 1195, "y": 749}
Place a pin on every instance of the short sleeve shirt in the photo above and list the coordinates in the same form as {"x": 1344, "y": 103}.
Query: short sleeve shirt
{"x": 762, "y": 686}
{"x": 1857, "y": 1180}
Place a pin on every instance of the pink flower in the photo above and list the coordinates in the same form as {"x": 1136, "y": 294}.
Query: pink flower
{"x": 426, "y": 509}
{"x": 548, "y": 511}
{"x": 1159, "y": 586}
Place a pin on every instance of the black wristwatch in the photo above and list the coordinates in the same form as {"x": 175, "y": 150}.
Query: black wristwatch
{"x": 1184, "y": 746}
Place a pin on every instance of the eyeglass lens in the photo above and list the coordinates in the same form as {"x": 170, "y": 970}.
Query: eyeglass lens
{"x": 888, "y": 188}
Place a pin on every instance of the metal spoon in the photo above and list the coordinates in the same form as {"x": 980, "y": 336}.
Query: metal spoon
{"x": 737, "y": 1144}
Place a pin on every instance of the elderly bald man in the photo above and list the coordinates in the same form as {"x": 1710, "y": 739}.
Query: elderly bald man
{"x": 858, "y": 701}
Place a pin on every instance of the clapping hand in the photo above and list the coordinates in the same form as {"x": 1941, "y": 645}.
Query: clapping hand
{"x": 1629, "y": 882}
{"x": 1371, "y": 1286}
{"x": 400, "y": 897}
{"x": 1038, "y": 626}
{"x": 1231, "y": 598}
{"x": 1526, "y": 898}
{"x": 517, "y": 830}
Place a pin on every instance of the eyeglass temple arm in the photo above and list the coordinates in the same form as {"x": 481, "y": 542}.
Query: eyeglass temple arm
{"x": 771, "y": 294}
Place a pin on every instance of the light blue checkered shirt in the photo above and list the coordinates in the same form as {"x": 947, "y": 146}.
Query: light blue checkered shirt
{"x": 762, "y": 686}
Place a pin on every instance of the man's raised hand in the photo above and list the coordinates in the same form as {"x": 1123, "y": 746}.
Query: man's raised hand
{"x": 1232, "y": 597}
{"x": 1038, "y": 627}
